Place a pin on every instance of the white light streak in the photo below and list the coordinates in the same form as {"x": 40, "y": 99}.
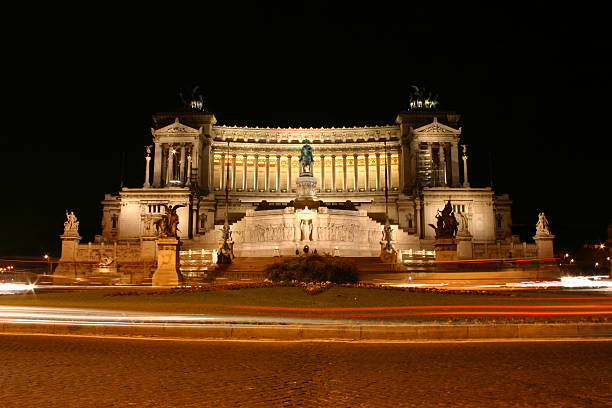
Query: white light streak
{"x": 8, "y": 288}
{"x": 568, "y": 282}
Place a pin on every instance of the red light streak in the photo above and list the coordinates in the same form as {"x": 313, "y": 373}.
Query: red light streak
{"x": 353, "y": 309}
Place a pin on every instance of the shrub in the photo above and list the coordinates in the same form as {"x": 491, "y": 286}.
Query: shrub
{"x": 312, "y": 268}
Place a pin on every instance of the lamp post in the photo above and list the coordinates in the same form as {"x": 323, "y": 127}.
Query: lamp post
{"x": 226, "y": 252}
{"x": 48, "y": 259}
{"x": 386, "y": 247}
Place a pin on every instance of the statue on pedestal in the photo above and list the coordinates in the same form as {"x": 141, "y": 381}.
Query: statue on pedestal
{"x": 306, "y": 159}
{"x": 167, "y": 225}
{"x": 542, "y": 227}
{"x": 71, "y": 226}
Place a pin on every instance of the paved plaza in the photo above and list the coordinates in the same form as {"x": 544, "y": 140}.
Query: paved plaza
{"x": 49, "y": 371}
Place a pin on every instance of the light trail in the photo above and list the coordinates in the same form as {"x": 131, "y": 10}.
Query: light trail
{"x": 7, "y": 288}
{"x": 279, "y": 315}
{"x": 377, "y": 308}
{"x": 568, "y": 282}
{"x": 29, "y": 314}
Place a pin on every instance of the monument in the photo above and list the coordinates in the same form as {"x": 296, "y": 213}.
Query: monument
{"x": 347, "y": 191}
{"x": 543, "y": 237}
{"x": 167, "y": 272}
{"x": 70, "y": 237}
{"x": 446, "y": 228}
{"x": 306, "y": 182}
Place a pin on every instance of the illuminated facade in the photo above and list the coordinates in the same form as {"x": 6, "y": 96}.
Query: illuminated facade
{"x": 193, "y": 160}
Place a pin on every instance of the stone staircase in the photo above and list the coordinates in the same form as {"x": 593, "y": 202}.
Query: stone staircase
{"x": 244, "y": 269}
{"x": 249, "y": 269}
{"x": 373, "y": 265}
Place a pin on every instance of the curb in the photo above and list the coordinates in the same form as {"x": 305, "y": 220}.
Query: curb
{"x": 301, "y": 332}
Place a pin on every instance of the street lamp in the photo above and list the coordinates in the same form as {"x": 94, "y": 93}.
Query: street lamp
{"x": 48, "y": 259}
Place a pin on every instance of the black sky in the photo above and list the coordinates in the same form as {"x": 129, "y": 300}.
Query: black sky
{"x": 80, "y": 91}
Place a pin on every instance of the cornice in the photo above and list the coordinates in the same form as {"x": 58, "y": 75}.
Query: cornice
{"x": 294, "y": 148}
{"x": 321, "y": 135}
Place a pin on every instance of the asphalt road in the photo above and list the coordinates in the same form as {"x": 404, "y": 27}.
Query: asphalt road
{"x": 48, "y": 371}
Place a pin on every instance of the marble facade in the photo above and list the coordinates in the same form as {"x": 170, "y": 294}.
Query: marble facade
{"x": 194, "y": 161}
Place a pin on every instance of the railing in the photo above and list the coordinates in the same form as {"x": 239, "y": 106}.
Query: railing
{"x": 195, "y": 263}
{"x": 502, "y": 250}
{"x": 119, "y": 251}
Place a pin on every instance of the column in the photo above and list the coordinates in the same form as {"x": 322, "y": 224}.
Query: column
{"x": 377, "y": 171}
{"x": 223, "y": 176}
{"x": 277, "y": 186}
{"x": 255, "y": 172}
{"x": 466, "y": 182}
{"x": 146, "y": 183}
{"x": 442, "y": 158}
{"x": 417, "y": 207}
{"x": 289, "y": 173}
{"x": 233, "y": 172}
{"x": 322, "y": 172}
{"x": 367, "y": 172}
{"x": 157, "y": 165}
{"x": 388, "y": 164}
{"x": 194, "y": 153}
{"x": 244, "y": 169}
{"x": 355, "y": 173}
{"x": 431, "y": 158}
{"x": 170, "y": 164}
{"x": 182, "y": 164}
{"x": 203, "y": 164}
{"x": 404, "y": 167}
{"x": 455, "y": 165}
{"x": 188, "y": 180}
{"x": 267, "y": 174}
{"x": 344, "y": 187}
{"x": 333, "y": 173}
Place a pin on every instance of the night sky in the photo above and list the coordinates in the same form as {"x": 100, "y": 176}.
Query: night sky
{"x": 79, "y": 94}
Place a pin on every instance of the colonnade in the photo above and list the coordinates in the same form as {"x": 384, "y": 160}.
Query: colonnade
{"x": 444, "y": 163}
{"x": 261, "y": 172}
{"x": 173, "y": 165}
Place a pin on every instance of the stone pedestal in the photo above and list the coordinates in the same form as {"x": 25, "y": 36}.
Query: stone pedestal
{"x": 147, "y": 249}
{"x": 70, "y": 246}
{"x": 446, "y": 249}
{"x": 167, "y": 272}
{"x": 465, "y": 247}
{"x": 306, "y": 192}
{"x": 544, "y": 243}
{"x": 387, "y": 256}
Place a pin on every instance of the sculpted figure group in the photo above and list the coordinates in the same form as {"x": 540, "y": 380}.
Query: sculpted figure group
{"x": 306, "y": 159}
{"x": 542, "y": 227}
{"x": 446, "y": 223}
{"x": 71, "y": 225}
{"x": 167, "y": 225}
